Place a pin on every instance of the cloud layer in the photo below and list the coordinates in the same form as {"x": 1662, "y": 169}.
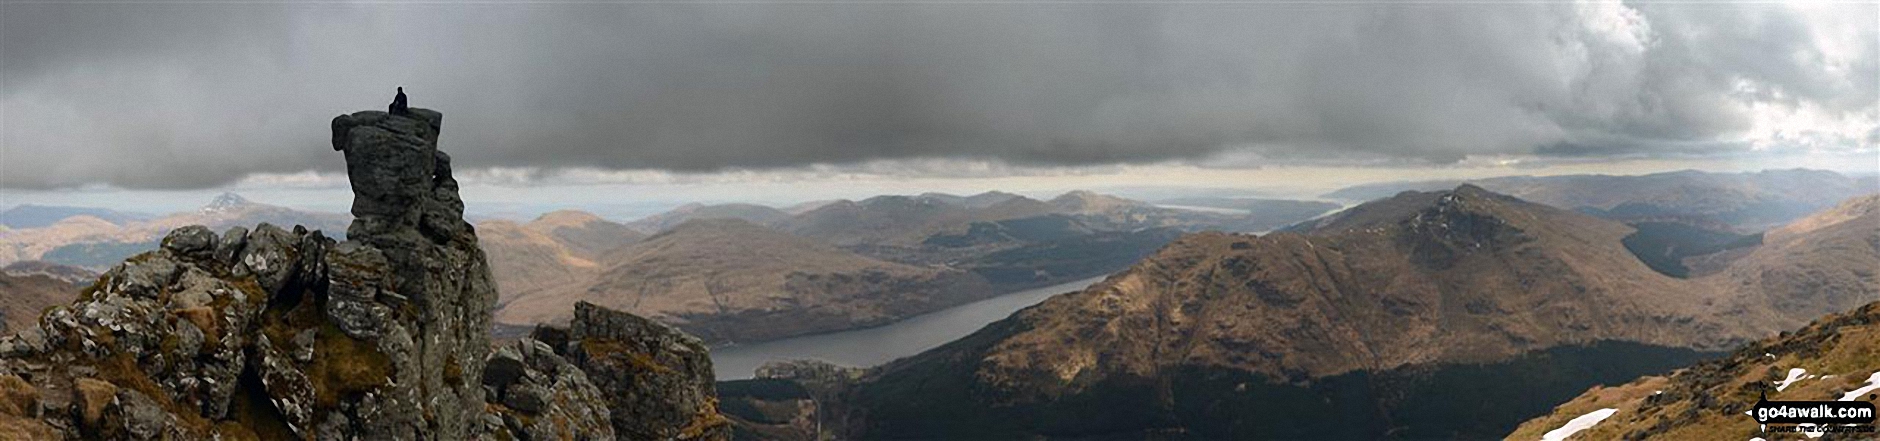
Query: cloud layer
{"x": 196, "y": 95}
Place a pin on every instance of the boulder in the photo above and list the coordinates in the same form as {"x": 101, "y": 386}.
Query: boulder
{"x": 194, "y": 241}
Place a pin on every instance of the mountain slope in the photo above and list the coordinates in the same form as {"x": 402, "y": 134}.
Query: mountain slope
{"x": 1473, "y": 276}
{"x": 1474, "y": 299}
{"x": 26, "y": 288}
{"x": 583, "y": 232}
{"x": 730, "y": 280}
{"x": 1826, "y": 360}
{"x": 1749, "y": 200}
{"x": 22, "y": 297}
{"x": 556, "y": 249}
{"x": 756, "y": 214}
{"x": 523, "y": 260}
{"x": 1820, "y": 264}
{"x": 901, "y": 220}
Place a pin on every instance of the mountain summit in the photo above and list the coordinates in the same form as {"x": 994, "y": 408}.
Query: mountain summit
{"x": 279, "y": 334}
{"x": 224, "y": 202}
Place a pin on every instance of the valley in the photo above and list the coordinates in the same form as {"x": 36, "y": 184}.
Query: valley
{"x": 1442, "y": 314}
{"x": 1445, "y": 314}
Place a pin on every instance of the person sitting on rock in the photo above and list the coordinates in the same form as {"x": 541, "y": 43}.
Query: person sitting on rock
{"x": 398, "y": 103}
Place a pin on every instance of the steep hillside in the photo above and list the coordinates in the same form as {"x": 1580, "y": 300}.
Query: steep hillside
{"x": 584, "y": 233}
{"x": 1359, "y": 322}
{"x": 65, "y": 273}
{"x": 1821, "y": 264}
{"x": 1835, "y": 358}
{"x": 556, "y": 249}
{"x": 524, "y": 260}
{"x": 1473, "y": 276}
{"x": 730, "y": 280}
{"x": 22, "y": 297}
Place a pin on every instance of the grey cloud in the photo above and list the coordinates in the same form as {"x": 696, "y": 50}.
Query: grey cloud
{"x": 194, "y": 95}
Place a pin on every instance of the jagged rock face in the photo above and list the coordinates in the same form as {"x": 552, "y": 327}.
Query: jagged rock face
{"x": 657, "y": 380}
{"x": 534, "y": 394}
{"x": 278, "y": 334}
{"x": 157, "y": 346}
{"x": 275, "y": 334}
{"x": 411, "y": 259}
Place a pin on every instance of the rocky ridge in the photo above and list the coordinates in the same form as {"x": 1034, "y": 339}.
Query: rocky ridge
{"x": 1829, "y": 359}
{"x": 288, "y": 334}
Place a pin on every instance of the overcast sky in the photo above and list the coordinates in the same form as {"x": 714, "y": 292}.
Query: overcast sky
{"x": 195, "y": 96}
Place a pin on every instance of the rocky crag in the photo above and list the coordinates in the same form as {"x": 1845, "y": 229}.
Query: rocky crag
{"x": 287, "y": 334}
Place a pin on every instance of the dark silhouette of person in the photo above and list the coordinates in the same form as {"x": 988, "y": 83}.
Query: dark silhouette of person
{"x": 398, "y": 103}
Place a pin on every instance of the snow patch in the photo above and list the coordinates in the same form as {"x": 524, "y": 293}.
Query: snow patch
{"x": 1794, "y": 376}
{"x": 1578, "y": 424}
{"x": 1873, "y": 383}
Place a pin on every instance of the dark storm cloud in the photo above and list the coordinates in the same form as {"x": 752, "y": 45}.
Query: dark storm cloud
{"x": 193, "y": 95}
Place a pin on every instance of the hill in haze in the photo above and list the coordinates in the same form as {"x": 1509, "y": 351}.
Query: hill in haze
{"x": 943, "y": 250}
{"x": 555, "y": 249}
{"x": 756, "y": 214}
{"x": 731, "y": 280}
{"x": 1750, "y": 201}
{"x": 92, "y": 242}
{"x": 35, "y": 216}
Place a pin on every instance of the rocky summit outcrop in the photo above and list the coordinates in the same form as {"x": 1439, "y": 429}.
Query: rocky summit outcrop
{"x": 288, "y": 334}
{"x": 537, "y": 394}
{"x": 656, "y": 379}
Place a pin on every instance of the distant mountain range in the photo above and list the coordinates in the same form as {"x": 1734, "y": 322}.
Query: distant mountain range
{"x": 1751, "y": 201}
{"x": 742, "y": 273}
{"x": 1448, "y": 314}
{"x": 731, "y": 280}
{"x": 90, "y": 241}
{"x": 753, "y": 213}
{"x": 35, "y": 216}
